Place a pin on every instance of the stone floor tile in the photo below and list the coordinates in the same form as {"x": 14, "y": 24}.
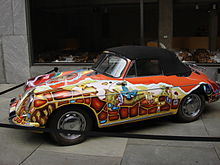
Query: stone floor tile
{"x": 57, "y": 158}
{"x": 100, "y": 146}
{"x": 165, "y": 155}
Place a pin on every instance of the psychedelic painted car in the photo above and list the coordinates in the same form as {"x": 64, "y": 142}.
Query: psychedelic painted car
{"x": 127, "y": 84}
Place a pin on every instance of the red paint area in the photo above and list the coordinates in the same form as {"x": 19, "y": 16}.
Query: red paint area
{"x": 165, "y": 107}
{"x": 144, "y": 103}
{"x": 113, "y": 117}
{"x": 102, "y": 115}
{"x": 87, "y": 100}
{"x": 63, "y": 103}
{"x": 97, "y": 104}
{"x": 152, "y": 110}
{"x": 162, "y": 98}
{"x": 39, "y": 103}
{"x": 143, "y": 111}
{"x": 57, "y": 85}
{"x": 115, "y": 112}
{"x": 80, "y": 100}
{"x": 123, "y": 113}
{"x": 134, "y": 111}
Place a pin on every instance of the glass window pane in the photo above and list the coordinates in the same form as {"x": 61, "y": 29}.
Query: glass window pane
{"x": 112, "y": 66}
{"x": 77, "y": 31}
{"x": 148, "y": 67}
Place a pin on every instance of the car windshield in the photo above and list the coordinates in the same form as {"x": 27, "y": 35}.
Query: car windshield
{"x": 111, "y": 65}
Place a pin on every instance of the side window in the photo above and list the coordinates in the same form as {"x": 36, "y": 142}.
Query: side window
{"x": 144, "y": 67}
{"x": 148, "y": 67}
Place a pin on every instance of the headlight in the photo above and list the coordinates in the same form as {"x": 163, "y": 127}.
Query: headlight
{"x": 29, "y": 96}
{"x": 207, "y": 89}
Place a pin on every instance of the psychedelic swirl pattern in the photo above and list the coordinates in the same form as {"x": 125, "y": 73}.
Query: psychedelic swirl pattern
{"x": 111, "y": 103}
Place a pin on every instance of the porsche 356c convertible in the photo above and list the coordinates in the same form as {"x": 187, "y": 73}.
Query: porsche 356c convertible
{"x": 127, "y": 84}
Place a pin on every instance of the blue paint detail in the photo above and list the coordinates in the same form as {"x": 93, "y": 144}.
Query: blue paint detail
{"x": 128, "y": 94}
{"x": 125, "y": 89}
{"x": 109, "y": 105}
{"x": 168, "y": 99}
{"x": 115, "y": 108}
{"x": 72, "y": 101}
{"x": 103, "y": 121}
{"x": 217, "y": 91}
{"x": 56, "y": 74}
{"x": 112, "y": 106}
{"x": 28, "y": 115}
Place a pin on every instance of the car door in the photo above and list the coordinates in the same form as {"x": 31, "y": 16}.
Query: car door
{"x": 153, "y": 93}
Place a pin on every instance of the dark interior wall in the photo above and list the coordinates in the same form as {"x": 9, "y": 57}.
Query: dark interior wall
{"x": 93, "y": 25}
{"x": 124, "y": 25}
{"x": 89, "y": 26}
{"x": 195, "y": 26}
{"x": 151, "y": 17}
{"x": 189, "y": 22}
{"x": 52, "y": 27}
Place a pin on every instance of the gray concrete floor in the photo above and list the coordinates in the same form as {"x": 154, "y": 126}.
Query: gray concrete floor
{"x": 23, "y": 147}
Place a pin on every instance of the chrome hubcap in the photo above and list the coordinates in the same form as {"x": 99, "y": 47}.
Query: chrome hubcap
{"x": 74, "y": 121}
{"x": 191, "y": 105}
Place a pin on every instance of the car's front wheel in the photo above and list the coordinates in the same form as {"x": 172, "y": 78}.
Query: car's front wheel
{"x": 191, "y": 108}
{"x": 69, "y": 119}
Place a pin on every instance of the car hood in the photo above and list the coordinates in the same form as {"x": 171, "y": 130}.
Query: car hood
{"x": 69, "y": 80}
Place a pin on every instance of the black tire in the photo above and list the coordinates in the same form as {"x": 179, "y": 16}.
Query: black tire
{"x": 191, "y": 108}
{"x": 69, "y": 118}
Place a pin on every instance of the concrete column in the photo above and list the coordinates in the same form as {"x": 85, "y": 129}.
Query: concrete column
{"x": 2, "y": 67}
{"x": 213, "y": 30}
{"x": 166, "y": 22}
{"x": 14, "y": 57}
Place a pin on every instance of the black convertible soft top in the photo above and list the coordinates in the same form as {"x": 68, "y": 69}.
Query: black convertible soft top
{"x": 169, "y": 62}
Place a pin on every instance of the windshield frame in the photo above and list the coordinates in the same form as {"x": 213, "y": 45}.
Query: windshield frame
{"x": 103, "y": 57}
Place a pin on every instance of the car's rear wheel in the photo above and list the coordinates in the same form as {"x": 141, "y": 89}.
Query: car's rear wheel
{"x": 191, "y": 108}
{"x": 69, "y": 119}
